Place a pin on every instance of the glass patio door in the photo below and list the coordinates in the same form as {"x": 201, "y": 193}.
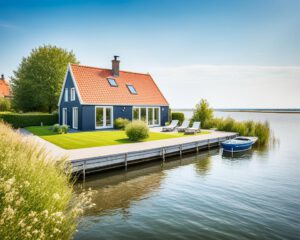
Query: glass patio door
{"x": 151, "y": 115}
{"x": 104, "y": 117}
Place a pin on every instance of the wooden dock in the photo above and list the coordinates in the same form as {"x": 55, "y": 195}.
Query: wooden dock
{"x": 88, "y": 160}
{"x": 120, "y": 156}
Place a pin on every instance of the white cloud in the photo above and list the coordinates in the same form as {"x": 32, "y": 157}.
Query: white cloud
{"x": 231, "y": 85}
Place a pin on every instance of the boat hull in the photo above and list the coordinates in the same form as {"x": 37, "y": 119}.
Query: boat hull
{"x": 238, "y": 145}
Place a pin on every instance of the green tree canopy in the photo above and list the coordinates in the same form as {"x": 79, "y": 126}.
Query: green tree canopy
{"x": 37, "y": 82}
{"x": 203, "y": 112}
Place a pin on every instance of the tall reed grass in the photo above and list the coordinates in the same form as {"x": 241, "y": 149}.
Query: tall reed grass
{"x": 36, "y": 195}
{"x": 244, "y": 128}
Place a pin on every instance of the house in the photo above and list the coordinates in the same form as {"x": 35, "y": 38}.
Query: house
{"x": 92, "y": 98}
{"x": 5, "y": 90}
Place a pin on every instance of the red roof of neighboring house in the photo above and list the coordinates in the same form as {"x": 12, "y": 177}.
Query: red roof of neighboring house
{"x": 94, "y": 87}
{"x": 5, "y": 90}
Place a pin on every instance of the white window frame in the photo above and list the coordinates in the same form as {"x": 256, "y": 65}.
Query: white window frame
{"x": 73, "y": 117}
{"x": 66, "y": 95}
{"x": 73, "y": 95}
{"x": 64, "y": 116}
{"x": 104, "y": 117}
{"x": 153, "y": 114}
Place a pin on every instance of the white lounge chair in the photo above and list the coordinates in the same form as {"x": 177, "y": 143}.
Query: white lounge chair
{"x": 170, "y": 127}
{"x": 194, "y": 129}
{"x": 183, "y": 126}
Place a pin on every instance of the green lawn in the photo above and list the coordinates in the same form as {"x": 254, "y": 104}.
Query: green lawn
{"x": 94, "y": 138}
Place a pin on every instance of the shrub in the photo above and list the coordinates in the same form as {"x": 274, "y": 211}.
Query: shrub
{"x": 56, "y": 128}
{"x": 37, "y": 200}
{"x": 120, "y": 123}
{"x": 203, "y": 113}
{"x": 64, "y": 128}
{"x": 18, "y": 120}
{"x": 137, "y": 130}
{"x": 177, "y": 116}
{"x": 5, "y": 104}
{"x": 60, "y": 129}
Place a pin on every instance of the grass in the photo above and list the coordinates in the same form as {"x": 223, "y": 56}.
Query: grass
{"x": 37, "y": 200}
{"x": 95, "y": 138}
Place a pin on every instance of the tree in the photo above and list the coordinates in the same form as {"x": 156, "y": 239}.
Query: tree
{"x": 203, "y": 113}
{"x": 37, "y": 82}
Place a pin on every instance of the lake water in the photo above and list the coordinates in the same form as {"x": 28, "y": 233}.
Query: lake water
{"x": 255, "y": 195}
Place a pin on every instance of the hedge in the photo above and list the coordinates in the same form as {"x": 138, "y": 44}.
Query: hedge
{"x": 178, "y": 116}
{"x": 18, "y": 120}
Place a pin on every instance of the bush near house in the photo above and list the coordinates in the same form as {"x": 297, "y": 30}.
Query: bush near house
{"x": 60, "y": 129}
{"x": 120, "y": 123}
{"x": 137, "y": 130}
{"x": 178, "y": 116}
{"x": 21, "y": 120}
{"x": 37, "y": 200}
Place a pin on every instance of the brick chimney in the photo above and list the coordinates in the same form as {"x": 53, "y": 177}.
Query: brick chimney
{"x": 2, "y": 77}
{"x": 115, "y": 66}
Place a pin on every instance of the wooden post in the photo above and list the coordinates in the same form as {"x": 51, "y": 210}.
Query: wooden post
{"x": 125, "y": 161}
{"x": 208, "y": 145}
{"x": 163, "y": 154}
{"x": 180, "y": 150}
{"x": 197, "y": 146}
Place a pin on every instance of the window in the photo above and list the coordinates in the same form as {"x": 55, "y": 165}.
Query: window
{"x": 72, "y": 94}
{"x": 112, "y": 82}
{"x": 66, "y": 95}
{"x": 132, "y": 89}
{"x": 104, "y": 117}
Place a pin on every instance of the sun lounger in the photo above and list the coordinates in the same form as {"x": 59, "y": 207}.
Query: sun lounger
{"x": 170, "y": 127}
{"x": 194, "y": 129}
{"x": 183, "y": 126}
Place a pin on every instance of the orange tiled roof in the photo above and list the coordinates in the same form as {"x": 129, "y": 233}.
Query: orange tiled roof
{"x": 94, "y": 87}
{"x": 5, "y": 90}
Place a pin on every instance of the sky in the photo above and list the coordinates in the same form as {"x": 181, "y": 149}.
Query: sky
{"x": 234, "y": 53}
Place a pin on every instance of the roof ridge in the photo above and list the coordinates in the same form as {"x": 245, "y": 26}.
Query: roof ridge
{"x": 79, "y": 65}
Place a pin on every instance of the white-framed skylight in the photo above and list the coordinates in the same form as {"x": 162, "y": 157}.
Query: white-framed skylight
{"x": 131, "y": 89}
{"x": 112, "y": 82}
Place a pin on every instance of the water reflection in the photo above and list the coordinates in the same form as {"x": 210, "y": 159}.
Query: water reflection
{"x": 246, "y": 155}
{"x": 118, "y": 191}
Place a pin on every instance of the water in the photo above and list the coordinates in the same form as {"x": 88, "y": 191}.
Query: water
{"x": 255, "y": 195}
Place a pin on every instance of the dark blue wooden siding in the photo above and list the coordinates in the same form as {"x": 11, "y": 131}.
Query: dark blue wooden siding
{"x": 123, "y": 112}
{"x": 70, "y": 104}
{"x": 164, "y": 115}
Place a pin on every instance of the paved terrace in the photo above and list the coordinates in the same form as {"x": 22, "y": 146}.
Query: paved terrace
{"x": 94, "y": 152}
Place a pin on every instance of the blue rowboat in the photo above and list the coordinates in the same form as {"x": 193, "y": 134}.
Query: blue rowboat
{"x": 238, "y": 144}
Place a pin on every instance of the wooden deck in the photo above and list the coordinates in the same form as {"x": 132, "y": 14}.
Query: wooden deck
{"x": 88, "y": 160}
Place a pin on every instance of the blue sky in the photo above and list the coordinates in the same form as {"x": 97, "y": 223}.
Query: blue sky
{"x": 242, "y": 53}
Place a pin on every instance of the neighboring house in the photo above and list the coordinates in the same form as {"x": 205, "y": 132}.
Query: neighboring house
{"x": 92, "y": 98}
{"x": 5, "y": 90}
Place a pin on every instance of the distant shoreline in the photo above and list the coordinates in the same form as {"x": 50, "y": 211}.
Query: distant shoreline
{"x": 285, "y": 111}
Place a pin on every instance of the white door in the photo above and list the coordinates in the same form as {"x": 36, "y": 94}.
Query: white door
{"x": 75, "y": 118}
{"x": 64, "y": 116}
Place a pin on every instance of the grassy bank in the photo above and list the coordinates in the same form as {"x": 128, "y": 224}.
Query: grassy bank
{"x": 95, "y": 138}
{"x": 36, "y": 197}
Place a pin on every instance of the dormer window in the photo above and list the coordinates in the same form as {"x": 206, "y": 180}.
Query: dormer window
{"x": 131, "y": 89}
{"x": 112, "y": 82}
